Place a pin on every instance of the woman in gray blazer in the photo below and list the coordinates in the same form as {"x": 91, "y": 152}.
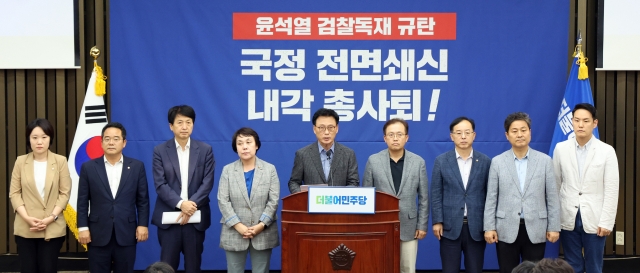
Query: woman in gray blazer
{"x": 248, "y": 196}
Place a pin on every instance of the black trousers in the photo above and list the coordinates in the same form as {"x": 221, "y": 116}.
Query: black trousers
{"x": 103, "y": 259}
{"x": 38, "y": 255}
{"x": 509, "y": 254}
{"x": 450, "y": 252}
{"x": 186, "y": 239}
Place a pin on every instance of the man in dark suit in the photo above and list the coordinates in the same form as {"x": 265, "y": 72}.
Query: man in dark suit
{"x": 458, "y": 193}
{"x": 183, "y": 178}
{"x": 113, "y": 205}
{"x": 324, "y": 161}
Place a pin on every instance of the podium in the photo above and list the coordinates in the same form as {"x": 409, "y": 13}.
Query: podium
{"x": 314, "y": 242}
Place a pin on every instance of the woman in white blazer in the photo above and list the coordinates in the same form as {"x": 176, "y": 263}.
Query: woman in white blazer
{"x": 248, "y": 196}
{"x": 39, "y": 191}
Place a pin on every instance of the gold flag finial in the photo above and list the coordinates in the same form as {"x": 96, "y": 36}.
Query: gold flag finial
{"x": 95, "y": 53}
{"x": 583, "y": 73}
{"x": 100, "y": 77}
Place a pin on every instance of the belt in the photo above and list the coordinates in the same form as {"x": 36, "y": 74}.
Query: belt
{"x": 464, "y": 220}
{"x": 521, "y": 221}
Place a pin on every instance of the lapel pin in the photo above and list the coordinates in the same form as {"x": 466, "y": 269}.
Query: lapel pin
{"x": 128, "y": 168}
{"x": 476, "y": 160}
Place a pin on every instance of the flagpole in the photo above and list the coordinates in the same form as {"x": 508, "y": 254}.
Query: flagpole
{"x": 86, "y": 142}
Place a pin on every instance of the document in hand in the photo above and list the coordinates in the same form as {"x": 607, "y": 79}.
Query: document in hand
{"x": 169, "y": 217}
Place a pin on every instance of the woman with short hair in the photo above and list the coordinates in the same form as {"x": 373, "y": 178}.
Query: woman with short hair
{"x": 39, "y": 191}
{"x": 248, "y": 196}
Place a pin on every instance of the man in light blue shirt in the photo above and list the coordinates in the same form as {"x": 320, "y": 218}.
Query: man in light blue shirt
{"x": 521, "y": 169}
{"x": 522, "y": 206}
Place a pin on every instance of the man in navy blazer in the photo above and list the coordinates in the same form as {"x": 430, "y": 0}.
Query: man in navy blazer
{"x": 458, "y": 193}
{"x": 113, "y": 205}
{"x": 183, "y": 178}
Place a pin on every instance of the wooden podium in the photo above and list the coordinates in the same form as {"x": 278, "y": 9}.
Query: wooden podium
{"x": 340, "y": 242}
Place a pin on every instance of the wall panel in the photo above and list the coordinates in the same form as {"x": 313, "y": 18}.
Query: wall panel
{"x": 54, "y": 94}
{"x": 58, "y": 95}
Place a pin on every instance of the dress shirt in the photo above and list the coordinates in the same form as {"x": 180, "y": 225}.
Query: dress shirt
{"x": 183, "y": 160}
{"x": 465, "y": 169}
{"x": 521, "y": 169}
{"x": 581, "y": 155}
{"x": 40, "y": 175}
{"x": 326, "y": 163}
{"x": 396, "y": 171}
{"x": 114, "y": 173}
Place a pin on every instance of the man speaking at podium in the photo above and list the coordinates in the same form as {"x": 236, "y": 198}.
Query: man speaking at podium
{"x": 325, "y": 161}
{"x": 404, "y": 174}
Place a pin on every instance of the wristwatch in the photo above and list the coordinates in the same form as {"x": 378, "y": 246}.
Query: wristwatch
{"x": 55, "y": 217}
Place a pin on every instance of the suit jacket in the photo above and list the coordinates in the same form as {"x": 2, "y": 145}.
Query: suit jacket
{"x": 102, "y": 213}
{"x": 166, "y": 177}
{"x": 596, "y": 194}
{"x": 505, "y": 200}
{"x": 23, "y": 192}
{"x": 414, "y": 184}
{"x": 237, "y": 207}
{"x": 307, "y": 167}
{"x": 449, "y": 196}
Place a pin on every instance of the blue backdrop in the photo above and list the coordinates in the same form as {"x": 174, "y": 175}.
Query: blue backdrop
{"x": 505, "y": 56}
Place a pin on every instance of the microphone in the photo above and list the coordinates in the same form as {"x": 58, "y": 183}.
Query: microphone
{"x": 331, "y": 177}
{"x": 329, "y": 152}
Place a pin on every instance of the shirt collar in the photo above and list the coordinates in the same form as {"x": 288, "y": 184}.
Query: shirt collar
{"x": 587, "y": 145}
{"x": 458, "y": 155}
{"x": 320, "y": 148}
{"x": 526, "y": 156}
{"x": 119, "y": 161}
{"x": 178, "y": 145}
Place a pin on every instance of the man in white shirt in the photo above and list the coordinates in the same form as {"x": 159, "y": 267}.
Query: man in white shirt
{"x": 113, "y": 205}
{"x": 458, "y": 194}
{"x": 183, "y": 178}
{"x": 586, "y": 170}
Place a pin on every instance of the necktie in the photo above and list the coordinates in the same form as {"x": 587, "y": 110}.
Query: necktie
{"x": 329, "y": 152}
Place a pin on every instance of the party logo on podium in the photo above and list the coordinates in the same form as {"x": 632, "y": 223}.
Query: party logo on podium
{"x": 342, "y": 258}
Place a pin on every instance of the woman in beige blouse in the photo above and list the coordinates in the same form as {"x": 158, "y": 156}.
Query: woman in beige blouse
{"x": 40, "y": 187}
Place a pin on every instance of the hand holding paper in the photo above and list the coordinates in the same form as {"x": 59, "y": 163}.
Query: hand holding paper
{"x": 174, "y": 217}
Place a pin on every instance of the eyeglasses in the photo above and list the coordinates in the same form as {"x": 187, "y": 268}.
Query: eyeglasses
{"x": 392, "y": 135}
{"x": 331, "y": 128}
{"x": 461, "y": 133}
{"x": 108, "y": 139}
